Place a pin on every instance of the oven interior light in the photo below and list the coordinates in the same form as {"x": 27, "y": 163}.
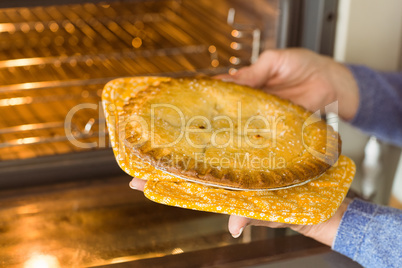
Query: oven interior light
{"x": 42, "y": 261}
{"x": 177, "y": 251}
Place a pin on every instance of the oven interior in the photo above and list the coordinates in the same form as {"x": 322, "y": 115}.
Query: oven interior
{"x": 55, "y": 60}
{"x": 63, "y": 200}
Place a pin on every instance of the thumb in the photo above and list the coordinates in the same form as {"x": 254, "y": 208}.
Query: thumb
{"x": 236, "y": 225}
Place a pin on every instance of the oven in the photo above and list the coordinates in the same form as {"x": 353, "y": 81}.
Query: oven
{"x": 64, "y": 202}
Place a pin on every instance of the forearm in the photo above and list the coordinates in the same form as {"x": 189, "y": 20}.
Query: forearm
{"x": 380, "y": 104}
{"x": 367, "y": 233}
{"x": 371, "y": 235}
{"x": 347, "y": 90}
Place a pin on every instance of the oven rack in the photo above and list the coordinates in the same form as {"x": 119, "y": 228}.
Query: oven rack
{"x": 62, "y": 56}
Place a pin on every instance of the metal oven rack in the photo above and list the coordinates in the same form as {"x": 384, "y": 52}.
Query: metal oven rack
{"x": 57, "y": 57}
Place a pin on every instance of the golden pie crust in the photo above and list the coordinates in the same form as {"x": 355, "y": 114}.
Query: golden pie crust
{"x": 223, "y": 134}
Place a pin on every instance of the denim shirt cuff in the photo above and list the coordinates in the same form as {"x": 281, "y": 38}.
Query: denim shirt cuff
{"x": 380, "y": 104}
{"x": 352, "y": 229}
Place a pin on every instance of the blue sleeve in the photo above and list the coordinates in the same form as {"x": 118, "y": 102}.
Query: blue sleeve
{"x": 380, "y": 105}
{"x": 371, "y": 235}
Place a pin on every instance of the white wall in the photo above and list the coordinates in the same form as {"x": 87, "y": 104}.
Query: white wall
{"x": 369, "y": 32}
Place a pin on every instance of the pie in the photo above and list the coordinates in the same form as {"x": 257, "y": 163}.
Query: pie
{"x": 311, "y": 203}
{"x": 226, "y": 135}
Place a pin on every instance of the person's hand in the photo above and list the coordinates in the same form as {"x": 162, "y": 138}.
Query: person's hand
{"x": 307, "y": 79}
{"x": 304, "y": 77}
{"x": 312, "y": 81}
{"x": 324, "y": 232}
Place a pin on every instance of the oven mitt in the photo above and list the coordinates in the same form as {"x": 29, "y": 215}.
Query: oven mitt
{"x": 311, "y": 203}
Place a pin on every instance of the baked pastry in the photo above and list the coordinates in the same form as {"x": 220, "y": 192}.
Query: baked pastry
{"x": 226, "y": 135}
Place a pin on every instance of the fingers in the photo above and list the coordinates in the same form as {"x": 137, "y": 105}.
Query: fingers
{"x": 244, "y": 76}
{"x": 224, "y": 77}
{"x": 236, "y": 225}
{"x": 137, "y": 184}
{"x": 258, "y": 74}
